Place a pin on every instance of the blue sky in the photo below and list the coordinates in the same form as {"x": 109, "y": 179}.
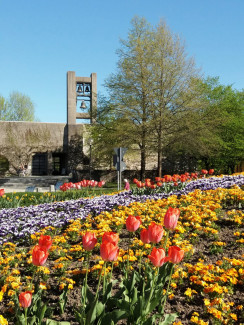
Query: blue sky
{"x": 41, "y": 40}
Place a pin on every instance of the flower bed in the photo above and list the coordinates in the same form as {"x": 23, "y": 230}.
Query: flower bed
{"x": 18, "y": 223}
{"x": 207, "y": 288}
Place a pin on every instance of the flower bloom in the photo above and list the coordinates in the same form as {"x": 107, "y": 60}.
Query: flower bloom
{"x": 89, "y": 240}
{"x": 39, "y": 255}
{"x": 109, "y": 251}
{"x": 1, "y": 191}
{"x": 171, "y": 218}
{"x": 211, "y": 171}
{"x": 144, "y": 235}
{"x": 111, "y": 237}
{"x": 25, "y": 299}
{"x": 158, "y": 257}
{"x": 45, "y": 242}
{"x": 204, "y": 171}
{"x": 133, "y": 223}
{"x": 155, "y": 233}
{"x": 175, "y": 254}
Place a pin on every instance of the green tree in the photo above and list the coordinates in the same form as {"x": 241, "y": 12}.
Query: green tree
{"x": 215, "y": 136}
{"x": 3, "y": 109}
{"x": 152, "y": 86}
{"x": 230, "y": 132}
{"x": 17, "y": 107}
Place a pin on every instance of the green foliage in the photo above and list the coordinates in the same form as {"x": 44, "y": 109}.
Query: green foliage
{"x": 138, "y": 297}
{"x": 152, "y": 83}
{"x": 14, "y": 200}
{"x": 17, "y": 107}
{"x": 230, "y": 131}
{"x": 33, "y": 315}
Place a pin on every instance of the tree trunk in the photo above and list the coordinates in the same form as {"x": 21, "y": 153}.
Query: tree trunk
{"x": 143, "y": 164}
{"x": 159, "y": 162}
{"x": 160, "y": 154}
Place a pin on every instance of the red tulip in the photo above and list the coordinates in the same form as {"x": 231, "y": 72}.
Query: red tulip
{"x": 39, "y": 255}
{"x": 171, "y": 218}
{"x": 144, "y": 235}
{"x": 133, "y": 223}
{"x": 158, "y": 257}
{"x": 109, "y": 251}
{"x": 175, "y": 254}
{"x": 167, "y": 178}
{"x": 45, "y": 242}
{"x": 111, "y": 237}
{"x": 25, "y": 299}
{"x": 89, "y": 240}
{"x": 183, "y": 178}
{"x": 204, "y": 171}
{"x": 101, "y": 183}
{"x": 211, "y": 171}
{"x": 1, "y": 191}
{"x": 155, "y": 233}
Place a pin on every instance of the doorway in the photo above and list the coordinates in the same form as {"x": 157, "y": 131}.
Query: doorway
{"x": 39, "y": 164}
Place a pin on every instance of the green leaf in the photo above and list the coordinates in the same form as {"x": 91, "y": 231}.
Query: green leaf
{"x": 149, "y": 321}
{"x": 90, "y": 296}
{"x": 119, "y": 293}
{"x": 113, "y": 317}
{"x": 41, "y": 313}
{"x": 91, "y": 315}
{"x": 99, "y": 309}
{"x": 156, "y": 300}
{"x": 134, "y": 296}
{"x": 54, "y": 322}
{"x": 32, "y": 320}
{"x": 107, "y": 293}
{"x": 123, "y": 305}
{"x": 168, "y": 319}
{"x": 139, "y": 306}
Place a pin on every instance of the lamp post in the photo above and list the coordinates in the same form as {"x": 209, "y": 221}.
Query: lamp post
{"x": 90, "y": 142}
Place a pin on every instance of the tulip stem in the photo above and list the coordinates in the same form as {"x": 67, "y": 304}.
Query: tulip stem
{"x": 166, "y": 294}
{"x": 152, "y": 290}
{"x": 111, "y": 272}
{"x": 98, "y": 285}
{"x": 104, "y": 278}
{"x": 128, "y": 256}
{"x": 87, "y": 267}
{"x": 25, "y": 316}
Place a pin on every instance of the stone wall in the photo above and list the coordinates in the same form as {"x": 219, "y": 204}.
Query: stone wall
{"x": 20, "y": 140}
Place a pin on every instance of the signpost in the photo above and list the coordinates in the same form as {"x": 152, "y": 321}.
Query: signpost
{"x": 119, "y": 164}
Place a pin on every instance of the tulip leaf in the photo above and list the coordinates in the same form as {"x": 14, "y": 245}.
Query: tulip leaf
{"x": 168, "y": 319}
{"x": 90, "y": 296}
{"x": 41, "y": 313}
{"x": 99, "y": 308}
{"x": 139, "y": 306}
{"x": 114, "y": 316}
{"x": 123, "y": 305}
{"x": 155, "y": 301}
{"x": 119, "y": 293}
{"x": 54, "y": 322}
{"x": 134, "y": 296}
{"x": 107, "y": 293}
